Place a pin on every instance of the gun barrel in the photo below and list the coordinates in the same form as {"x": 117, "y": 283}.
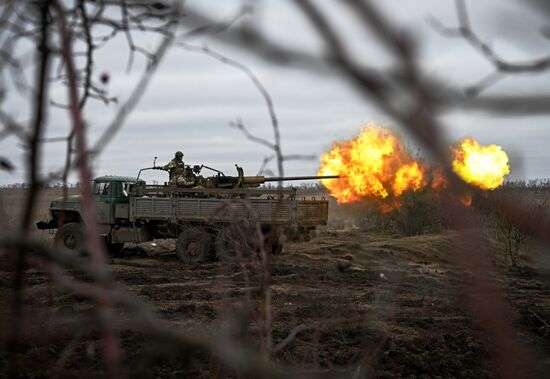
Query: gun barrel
{"x": 285, "y": 178}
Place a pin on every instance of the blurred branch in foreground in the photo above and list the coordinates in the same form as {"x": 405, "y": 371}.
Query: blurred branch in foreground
{"x": 61, "y": 33}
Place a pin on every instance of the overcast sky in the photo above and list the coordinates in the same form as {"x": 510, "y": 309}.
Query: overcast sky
{"x": 192, "y": 97}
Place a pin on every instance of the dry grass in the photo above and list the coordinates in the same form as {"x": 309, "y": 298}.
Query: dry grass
{"x": 12, "y": 201}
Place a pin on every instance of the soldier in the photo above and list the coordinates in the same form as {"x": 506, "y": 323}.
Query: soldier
{"x": 179, "y": 175}
{"x": 175, "y": 168}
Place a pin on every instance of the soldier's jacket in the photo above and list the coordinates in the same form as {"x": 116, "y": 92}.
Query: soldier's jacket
{"x": 175, "y": 167}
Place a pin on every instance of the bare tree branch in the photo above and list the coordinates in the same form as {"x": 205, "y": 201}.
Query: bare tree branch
{"x": 276, "y": 145}
{"x": 252, "y": 40}
{"x": 111, "y": 347}
{"x": 502, "y": 66}
{"x": 134, "y": 98}
{"x": 37, "y": 127}
{"x": 238, "y": 124}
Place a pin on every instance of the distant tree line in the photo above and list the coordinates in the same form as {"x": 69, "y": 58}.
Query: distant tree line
{"x": 301, "y": 186}
{"x": 42, "y": 185}
{"x": 532, "y": 184}
{"x": 304, "y": 186}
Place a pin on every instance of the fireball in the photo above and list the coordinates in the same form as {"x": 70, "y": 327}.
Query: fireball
{"x": 374, "y": 165}
{"x": 482, "y": 166}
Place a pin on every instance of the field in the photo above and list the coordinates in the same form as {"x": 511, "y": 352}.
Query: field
{"x": 361, "y": 303}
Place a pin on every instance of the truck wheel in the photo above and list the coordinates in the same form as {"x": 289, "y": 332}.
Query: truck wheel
{"x": 274, "y": 243}
{"x": 70, "y": 238}
{"x": 236, "y": 242}
{"x": 194, "y": 244}
{"x": 277, "y": 245}
{"x": 114, "y": 248}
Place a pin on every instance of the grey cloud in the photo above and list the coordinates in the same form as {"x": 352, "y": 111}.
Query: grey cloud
{"x": 193, "y": 97}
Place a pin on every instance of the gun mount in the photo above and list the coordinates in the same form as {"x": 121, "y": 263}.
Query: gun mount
{"x": 241, "y": 181}
{"x": 192, "y": 178}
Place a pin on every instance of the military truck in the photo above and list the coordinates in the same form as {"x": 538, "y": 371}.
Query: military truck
{"x": 229, "y": 220}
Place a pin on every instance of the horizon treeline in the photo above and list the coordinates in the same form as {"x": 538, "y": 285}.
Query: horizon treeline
{"x": 541, "y": 183}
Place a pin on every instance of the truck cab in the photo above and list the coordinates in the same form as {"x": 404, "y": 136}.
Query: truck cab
{"x": 111, "y": 194}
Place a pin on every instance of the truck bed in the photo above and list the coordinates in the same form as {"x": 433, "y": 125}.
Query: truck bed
{"x": 272, "y": 211}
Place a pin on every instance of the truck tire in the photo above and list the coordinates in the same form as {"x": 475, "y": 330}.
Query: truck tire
{"x": 195, "y": 244}
{"x": 113, "y": 248}
{"x": 70, "y": 238}
{"x": 277, "y": 245}
{"x": 236, "y": 242}
{"x": 274, "y": 241}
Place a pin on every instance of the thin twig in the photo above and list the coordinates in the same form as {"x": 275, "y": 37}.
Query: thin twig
{"x": 34, "y": 182}
{"x": 134, "y": 98}
{"x": 501, "y": 66}
{"x": 276, "y": 145}
{"x": 111, "y": 345}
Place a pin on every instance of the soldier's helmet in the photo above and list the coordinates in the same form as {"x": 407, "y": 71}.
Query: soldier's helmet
{"x": 179, "y": 154}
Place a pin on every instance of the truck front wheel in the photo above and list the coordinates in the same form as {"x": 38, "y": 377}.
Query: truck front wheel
{"x": 194, "y": 245}
{"x": 70, "y": 238}
{"x": 114, "y": 248}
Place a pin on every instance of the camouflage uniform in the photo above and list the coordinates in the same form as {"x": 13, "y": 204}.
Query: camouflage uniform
{"x": 178, "y": 173}
{"x": 175, "y": 168}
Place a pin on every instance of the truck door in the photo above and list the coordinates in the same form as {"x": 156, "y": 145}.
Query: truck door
{"x": 103, "y": 192}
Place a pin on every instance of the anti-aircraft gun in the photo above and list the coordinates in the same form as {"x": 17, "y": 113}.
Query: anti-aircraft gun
{"x": 192, "y": 183}
{"x": 241, "y": 181}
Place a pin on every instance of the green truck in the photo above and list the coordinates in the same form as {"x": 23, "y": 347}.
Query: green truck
{"x": 225, "y": 222}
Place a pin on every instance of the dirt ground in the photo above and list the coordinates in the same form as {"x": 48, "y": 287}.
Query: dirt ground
{"x": 369, "y": 305}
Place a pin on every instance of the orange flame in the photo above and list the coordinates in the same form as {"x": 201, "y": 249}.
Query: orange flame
{"x": 374, "y": 165}
{"x": 481, "y": 166}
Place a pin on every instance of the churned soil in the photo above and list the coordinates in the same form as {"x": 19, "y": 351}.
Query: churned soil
{"x": 360, "y": 304}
